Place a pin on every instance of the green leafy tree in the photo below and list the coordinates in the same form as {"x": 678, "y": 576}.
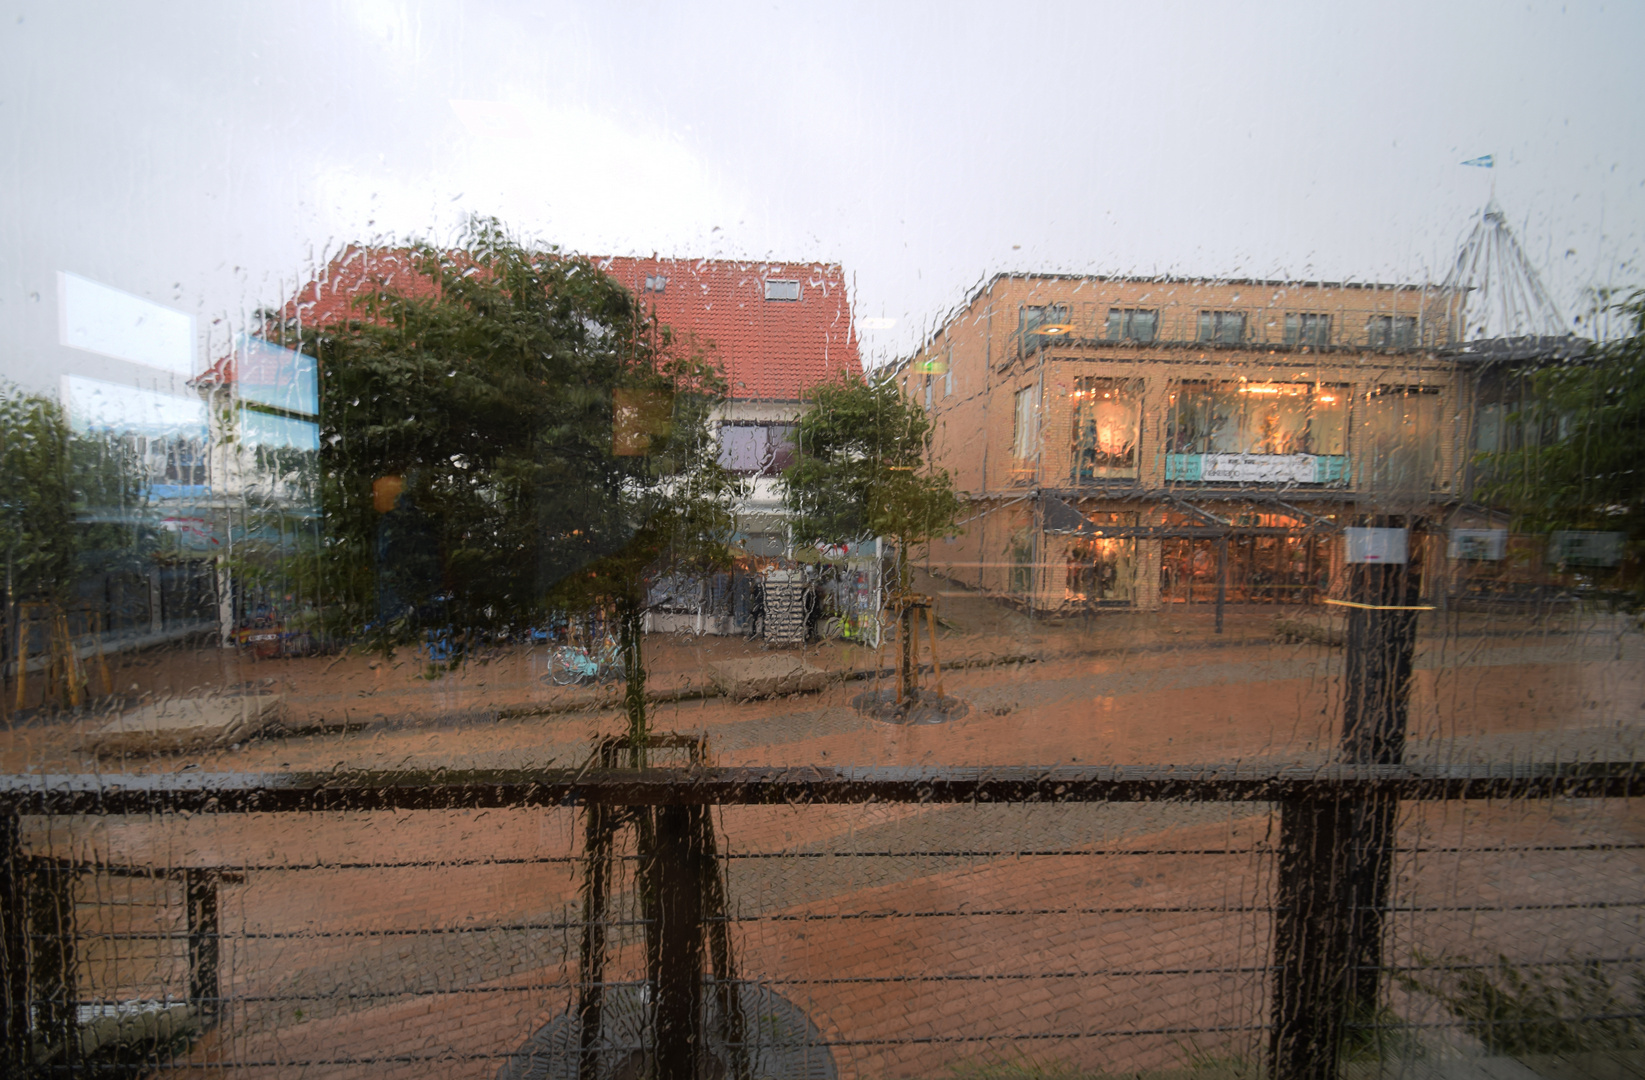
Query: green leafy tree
{"x": 1587, "y": 474}
{"x": 69, "y": 503}
{"x": 71, "y": 506}
{"x": 513, "y": 439}
{"x": 37, "y": 520}
{"x": 862, "y": 470}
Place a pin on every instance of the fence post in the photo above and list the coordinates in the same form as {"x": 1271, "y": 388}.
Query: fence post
{"x": 596, "y": 887}
{"x": 51, "y": 932}
{"x": 1379, "y": 652}
{"x": 1380, "y": 645}
{"x": 1313, "y": 938}
{"x": 676, "y": 941}
{"x": 14, "y": 956}
{"x": 204, "y": 941}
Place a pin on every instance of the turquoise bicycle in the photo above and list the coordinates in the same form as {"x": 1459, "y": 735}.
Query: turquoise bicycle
{"x": 568, "y": 664}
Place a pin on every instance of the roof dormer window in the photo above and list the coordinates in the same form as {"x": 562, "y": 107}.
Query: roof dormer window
{"x": 779, "y": 289}
{"x": 655, "y": 283}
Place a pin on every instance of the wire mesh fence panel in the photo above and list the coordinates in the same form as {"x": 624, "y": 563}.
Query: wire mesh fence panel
{"x": 714, "y": 922}
{"x": 1513, "y": 930}
{"x": 926, "y": 939}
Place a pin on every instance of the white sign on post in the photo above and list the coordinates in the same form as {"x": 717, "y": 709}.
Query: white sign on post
{"x": 1375, "y": 545}
{"x": 1486, "y": 545}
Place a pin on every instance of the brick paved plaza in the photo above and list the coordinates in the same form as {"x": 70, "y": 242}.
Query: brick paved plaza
{"x": 913, "y": 962}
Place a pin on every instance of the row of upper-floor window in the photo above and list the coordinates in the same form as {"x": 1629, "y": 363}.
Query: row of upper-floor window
{"x": 1505, "y": 417}
{"x": 1221, "y": 426}
{"x": 1043, "y": 323}
{"x": 1224, "y": 416}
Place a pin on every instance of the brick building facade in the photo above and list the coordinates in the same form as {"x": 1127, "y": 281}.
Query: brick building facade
{"x": 1131, "y": 443}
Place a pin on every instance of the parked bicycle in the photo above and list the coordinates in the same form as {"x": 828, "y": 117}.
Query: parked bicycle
{"x": 573, "y": 663}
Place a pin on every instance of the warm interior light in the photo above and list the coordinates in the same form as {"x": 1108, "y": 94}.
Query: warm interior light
{"x": 1055, "y": 329}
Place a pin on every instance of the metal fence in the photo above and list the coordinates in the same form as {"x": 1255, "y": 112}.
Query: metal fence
{"x": 696, "y": 921}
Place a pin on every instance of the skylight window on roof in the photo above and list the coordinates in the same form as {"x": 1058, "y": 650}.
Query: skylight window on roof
{"x": 655, "y": 283}
{"x": 778, "y": 289}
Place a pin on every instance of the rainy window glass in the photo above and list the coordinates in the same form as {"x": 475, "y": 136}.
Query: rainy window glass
{"x": 1391, "y": 331}
{"x": 1132, "y": 325}
{"x": 1023, "y": 419}
{"x": 1225, "y": 327}
{"x": 1307, "y": 329}
{"x": 1107, "y": 422}
{"x": 822, "y": 542}
{"x": 756, "y": 448}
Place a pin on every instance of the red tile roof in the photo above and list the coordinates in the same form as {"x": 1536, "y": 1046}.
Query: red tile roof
{"x": 768, "y": 349}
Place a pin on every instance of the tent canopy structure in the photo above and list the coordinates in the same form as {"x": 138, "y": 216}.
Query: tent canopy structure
{"x": 1496, "y": 293}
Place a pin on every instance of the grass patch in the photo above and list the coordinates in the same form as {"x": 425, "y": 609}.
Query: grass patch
{"x": 1518, "y": 1011}
{"x": 1196, "y": 1066}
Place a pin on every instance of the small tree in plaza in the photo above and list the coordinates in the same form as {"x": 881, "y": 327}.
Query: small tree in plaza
{"x": 71, "y": 507}
{"x": 862, "y": 470}
{"x": 1583, "y": 472}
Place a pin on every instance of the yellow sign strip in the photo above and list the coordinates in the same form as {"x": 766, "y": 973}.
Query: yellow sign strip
{"x": 1382, "y": 607}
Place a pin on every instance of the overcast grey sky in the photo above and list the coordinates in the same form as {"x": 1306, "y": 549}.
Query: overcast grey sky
{"x": 204, "y": 155}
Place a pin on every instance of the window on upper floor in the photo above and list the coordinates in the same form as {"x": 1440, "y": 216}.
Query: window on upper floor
{"x": 1022, "y": 425}
{"x": 655, "y": 283}
{"x": 757, "y": 449}
{"x": 948, "y": 380}
{"x": 1133, "y": 324}
{"x": 778, "y": 289}
{"x": 929, "y": 384}
{"x": 1404, "y": 426}
{"x": 1257, "y": 418}
{"x": 1038, "y": 319}
{"x": 1107, "y": 423}
{"x": 1222, "y": 327}
{"x": 1304, "y": 328}
{"x": 1391, "y": 331}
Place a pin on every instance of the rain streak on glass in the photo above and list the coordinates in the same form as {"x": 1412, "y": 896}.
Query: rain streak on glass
{"x": 725, "y": 542}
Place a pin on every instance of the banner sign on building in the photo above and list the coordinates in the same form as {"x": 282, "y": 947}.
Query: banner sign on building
{"x": 1257, "y": 468}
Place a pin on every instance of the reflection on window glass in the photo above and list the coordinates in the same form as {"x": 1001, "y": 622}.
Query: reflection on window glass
{"x": 1222, "y": 327}
{"x": 278, "y": 377}
{"x": 1258, "y": 418}
{"x": 1036, "y": 318}
{"x": 1107, "y": 422}
{"x": 270, "y": 430}
{"x": 1024, "y": 421}
{"x": 1403, "y": 429}
{"x": 100, "y": 319}
{"x": 1132, "y": 324}
{"x": 1391, "y": 331}
{"x": 1306, "y": 328}
{"x": 760, "y": 449}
